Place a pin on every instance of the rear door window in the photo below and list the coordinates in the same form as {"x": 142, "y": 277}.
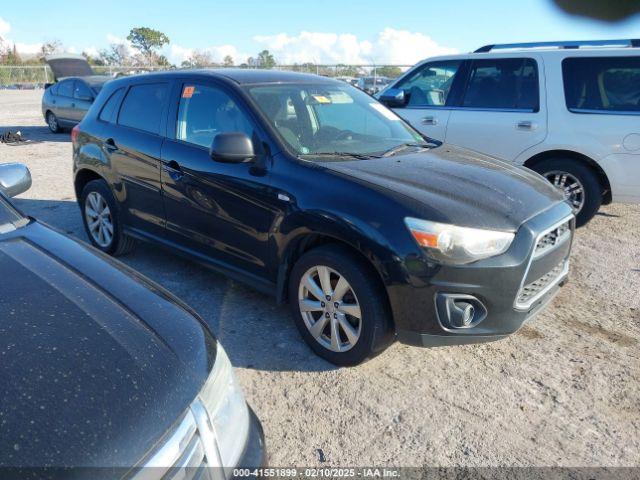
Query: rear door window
{"x": 503, "y": 84}
{"x": 204, "y": 112}
{"x": 430, "y": 84}
{"x": 110, "y": 109}
{"x": 81, "y": 91}
{"x": 65, "y": 88}
{"x": 143, "y": 106}
{"x": 602, "y": 84}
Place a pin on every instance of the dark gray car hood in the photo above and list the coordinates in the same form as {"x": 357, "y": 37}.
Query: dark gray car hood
{"x": 96, "y": 364}
{"x": 454, "y": 185}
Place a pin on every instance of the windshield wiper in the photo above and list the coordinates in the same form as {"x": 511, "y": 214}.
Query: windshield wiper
{"x": 359, "y": 156}
{"x": 403, "y": 146}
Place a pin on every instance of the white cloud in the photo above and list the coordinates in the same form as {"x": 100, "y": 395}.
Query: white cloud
{"x": 28, "y": 48}
{"x": 389, "y": 47}
{"x": 5, "y": 27}
{"x": 91, "y": 51}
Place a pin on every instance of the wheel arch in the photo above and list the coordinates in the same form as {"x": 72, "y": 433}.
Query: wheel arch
{"x": 82, "y": 177}
{"x": 602, "y": 176}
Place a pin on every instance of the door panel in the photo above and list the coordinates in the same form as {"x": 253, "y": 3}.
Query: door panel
{"x": 431, "y": 89}
{"x": 503, "y": 109}
{"x": 222, "y": 210}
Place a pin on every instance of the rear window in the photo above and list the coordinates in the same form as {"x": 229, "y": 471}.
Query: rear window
{"x": 506, "y": 84}
{"x": 602, "y": 84}
{"x": 110, "y": 109}
{"x": 142, "y": 107}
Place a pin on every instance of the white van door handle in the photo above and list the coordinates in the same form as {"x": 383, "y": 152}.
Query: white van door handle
{"x": 430, "y": 120}
{"x": 525, "y": 125}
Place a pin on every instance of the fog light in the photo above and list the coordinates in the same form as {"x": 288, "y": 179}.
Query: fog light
{"x": 459, "y": 310}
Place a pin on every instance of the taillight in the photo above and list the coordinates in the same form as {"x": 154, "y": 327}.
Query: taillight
{"x": 74, "y": 133}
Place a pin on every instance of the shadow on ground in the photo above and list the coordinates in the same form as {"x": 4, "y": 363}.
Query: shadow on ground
{"x": 256, "y": 332}
{"x": 37, "y": 133}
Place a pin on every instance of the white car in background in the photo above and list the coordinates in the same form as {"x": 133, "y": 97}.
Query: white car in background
{"x": 568, "y": 110}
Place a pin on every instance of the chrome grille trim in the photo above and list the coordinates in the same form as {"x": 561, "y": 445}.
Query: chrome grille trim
{"x": 552, "y": 239}
{"x": 187, "y": 452}
{"x": 534, "y": 290}
{"x": 540, "y": 239}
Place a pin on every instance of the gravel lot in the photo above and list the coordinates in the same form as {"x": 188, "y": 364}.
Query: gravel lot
{"x": 564, "y": 391}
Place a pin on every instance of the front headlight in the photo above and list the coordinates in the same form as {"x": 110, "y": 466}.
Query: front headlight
{"x": 227, "y": 408}
{"x": 458, "y": 245}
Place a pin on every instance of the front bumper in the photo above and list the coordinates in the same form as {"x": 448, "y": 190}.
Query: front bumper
{"x": 496, "y": 283}
{"x": 255, "y": 453}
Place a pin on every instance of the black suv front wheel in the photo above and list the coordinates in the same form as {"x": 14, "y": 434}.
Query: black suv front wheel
{"x": 339, "y": 306}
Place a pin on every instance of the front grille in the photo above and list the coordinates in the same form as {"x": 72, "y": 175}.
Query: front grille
{"x": 551, "y": 248}
{"x": 187, "y": 452}
{"x": 552, "y": 239}
{"x": 532, "y": 290}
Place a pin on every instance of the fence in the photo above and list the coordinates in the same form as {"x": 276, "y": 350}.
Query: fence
{"x": 35, "y": 76}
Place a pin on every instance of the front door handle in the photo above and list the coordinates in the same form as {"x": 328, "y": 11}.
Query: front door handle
{"x": 525, "y": 125}
{"x": 174, "y": 170}
{"x": 430, "y": 120}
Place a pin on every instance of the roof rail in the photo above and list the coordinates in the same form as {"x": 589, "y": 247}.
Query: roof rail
{"x": 633, "y": 43}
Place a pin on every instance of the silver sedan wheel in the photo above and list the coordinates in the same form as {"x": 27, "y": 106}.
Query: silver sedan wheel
{"x": 99, "y": 221}
{"x": 570, "y": 186}
{"x": 330, "y": 308}
{"x": 53, "y": 122}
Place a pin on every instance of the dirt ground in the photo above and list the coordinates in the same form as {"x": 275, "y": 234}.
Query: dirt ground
{"x": 563, "y": 391}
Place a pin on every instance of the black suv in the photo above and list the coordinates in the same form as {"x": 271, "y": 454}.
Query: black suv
{"x": 312, "y": 191}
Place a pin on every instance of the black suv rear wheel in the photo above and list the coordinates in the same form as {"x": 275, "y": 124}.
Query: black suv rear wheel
{"x": 101, "y": 220}
{"x": 339, "y": 307}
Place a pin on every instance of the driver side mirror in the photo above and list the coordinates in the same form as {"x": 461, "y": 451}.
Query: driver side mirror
{"x": 232, "y": 147}
{"x": 394, "y": 97}
{"x": 15, "y": 179}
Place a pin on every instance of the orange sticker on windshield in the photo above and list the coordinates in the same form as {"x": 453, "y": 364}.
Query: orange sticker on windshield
{"x": 188, "y": 92}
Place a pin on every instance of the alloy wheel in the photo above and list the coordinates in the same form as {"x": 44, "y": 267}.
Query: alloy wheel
{"x": 330, "y": 308}
{"x": 99, "y": 220}
{"x": 570, "y": 186}
{"x": 53, "y": 122}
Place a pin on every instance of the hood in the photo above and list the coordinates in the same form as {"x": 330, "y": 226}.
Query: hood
{"x": 454, "y": 185}
{"x": 97, "y": 363}
{"x": 68, "y": 65}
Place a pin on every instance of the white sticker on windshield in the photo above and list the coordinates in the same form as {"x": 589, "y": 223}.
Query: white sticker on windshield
{"x": 385, "y": 111}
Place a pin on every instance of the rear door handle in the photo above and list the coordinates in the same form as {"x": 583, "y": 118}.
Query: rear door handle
{"x": 525, "y": 125}
{"x": 430, "y": 120}
{"x": 174, "y": 170}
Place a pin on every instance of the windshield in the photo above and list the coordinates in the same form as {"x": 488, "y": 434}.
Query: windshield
{"x": 8, "y": 216}
{"x": 332, "y": 119}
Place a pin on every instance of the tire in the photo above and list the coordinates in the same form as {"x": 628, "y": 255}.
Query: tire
{"x": 53, "y": 123}
{"x": 553, "y": 168}
{"x": 374, "y": 327}
{"x": 118, "y": 243}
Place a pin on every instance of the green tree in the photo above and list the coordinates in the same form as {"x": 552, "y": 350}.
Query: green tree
{"x": 116, "y": 54}
{"x": 228, "y": 61}
{"x": 388, "y": 71}
{"x": 266, "y": 59}
{"x": 148, "y": 41}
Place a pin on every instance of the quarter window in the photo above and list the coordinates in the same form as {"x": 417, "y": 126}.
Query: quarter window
{"x": 142, "y": 107}
{"x": 607, "y": 84}
{"x": 431, "y": 84}
{"x": 110, "y": 109}
{"x": 206, "y": 111}
{"x": 509, "y": 84}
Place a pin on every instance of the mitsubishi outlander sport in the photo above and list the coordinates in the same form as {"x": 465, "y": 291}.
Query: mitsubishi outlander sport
{"x": 312, "y": 191}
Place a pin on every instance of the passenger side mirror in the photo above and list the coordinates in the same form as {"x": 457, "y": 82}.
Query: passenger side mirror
{"x": 15, "y": 179}
{"x": 232, "y": 147}
{"x": 394, "y": 97}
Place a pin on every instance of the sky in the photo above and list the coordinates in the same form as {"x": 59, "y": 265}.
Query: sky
{"x": 320, "y": 31}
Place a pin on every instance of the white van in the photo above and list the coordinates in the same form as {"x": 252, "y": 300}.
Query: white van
{"x": 568, "y": 110}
